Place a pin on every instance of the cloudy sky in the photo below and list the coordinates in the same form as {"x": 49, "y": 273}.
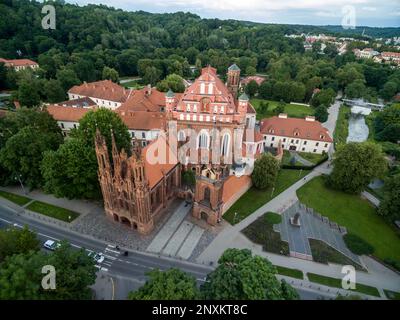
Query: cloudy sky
{"x": 317, "y": 12}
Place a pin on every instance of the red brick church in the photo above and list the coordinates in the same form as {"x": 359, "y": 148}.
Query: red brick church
{"x": 136, "y": 191}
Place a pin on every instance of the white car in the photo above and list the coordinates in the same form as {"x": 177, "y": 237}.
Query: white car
{"x": 51, "y": 245}
{"x": 98, "y": 257}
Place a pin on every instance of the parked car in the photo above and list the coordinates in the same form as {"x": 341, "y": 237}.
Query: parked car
{"x": 98, "y": 257}
{"x": 51, "y": 245}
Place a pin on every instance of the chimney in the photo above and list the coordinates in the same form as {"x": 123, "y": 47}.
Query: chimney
{"x": 148, "y": 90}
{"x": 310, "y": 118}
{"x": 282, "y": 116}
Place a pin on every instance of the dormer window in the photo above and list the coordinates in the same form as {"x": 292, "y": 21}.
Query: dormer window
{"x": 322, "y": 136}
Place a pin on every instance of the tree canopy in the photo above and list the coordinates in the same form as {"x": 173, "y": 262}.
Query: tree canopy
{"x": 242, "y": 276}
{"x": 356, "y": 165}
{"x": 265, "y": 171}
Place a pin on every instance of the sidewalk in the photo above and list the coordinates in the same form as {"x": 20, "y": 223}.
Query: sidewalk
{"x": 83, "y": 207}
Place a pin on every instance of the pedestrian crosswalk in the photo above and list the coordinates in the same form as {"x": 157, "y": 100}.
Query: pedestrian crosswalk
{"x": 110, "y": 255}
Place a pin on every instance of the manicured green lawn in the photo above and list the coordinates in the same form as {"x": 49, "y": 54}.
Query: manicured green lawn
{"x": 20, "y": 200}
{"x": 293, "y": 110}
{"x": 132, "y": 84}
{"x": 337, "y": 283}
{"x": 312, "y": 157}
{"x": 294, "y": 273}
{"x": 392, "y": 295}
{"x": 254, "y": 198}
{"x": 342, "y": 126}
{"x": 324, "y": 253}
{"x": 356, "y": 214}
{"x": 53, "y": 211}
{"x": 261, "y": 232}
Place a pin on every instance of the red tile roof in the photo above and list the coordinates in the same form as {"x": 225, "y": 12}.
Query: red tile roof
{"x": 105, "y": 90}
{"x": 85, "y": 102}
{"x": 144, "y": 100}
{"x": 154, "y": 170}
{"x": 287, "y": 127}
{"x": 142, "y": 120}
{"x": 19, "y": 62}
{"x": 69, "y": 114}
{"x": 220, "y": 91}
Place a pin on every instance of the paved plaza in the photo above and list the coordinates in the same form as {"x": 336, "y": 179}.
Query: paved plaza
{"x": 178, "y": 237}
{"x": 312, "y": 226}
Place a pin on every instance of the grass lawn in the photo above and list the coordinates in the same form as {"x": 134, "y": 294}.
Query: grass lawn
{"x": 342, "y": 126}
{"x": 312, "y": 157}
{"x": 293, "y": 110}
{"x": 20, "y": 200}
{"x": 132, "y": 84}
{"x": 254, "y": 198}
{"x": 294, "y": 273}
{"x": 287, "y": 157}
{"x": 392, "y": 295}
{"x": 356, "y": 214}
{"x": 261, "y": 232}
{"x": 53, "y": 211}
{"x": 337, "y": 283}
{"x": 324, "y": 253}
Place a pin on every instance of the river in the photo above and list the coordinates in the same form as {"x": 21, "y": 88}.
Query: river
{"x": 358, "y": 129}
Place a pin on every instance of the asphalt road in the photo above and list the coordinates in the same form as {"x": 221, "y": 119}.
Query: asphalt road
{"x": 133, "y": 266}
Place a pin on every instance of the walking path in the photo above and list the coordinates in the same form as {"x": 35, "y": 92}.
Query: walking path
{"x": 371, "y": 198}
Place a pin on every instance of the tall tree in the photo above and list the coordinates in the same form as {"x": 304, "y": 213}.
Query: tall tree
{"x": 356, "y": 165}
{"x": 389, "y": 207}
{"x": 265, "y": 171}
{"x": 172, "y": 284}
{"x": 71, "y": 171}
{"x": 241, "y": 276}
{"x": 110, "y": 74}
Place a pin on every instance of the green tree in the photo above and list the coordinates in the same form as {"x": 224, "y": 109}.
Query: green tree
{"x": 110, "y": 74}
{"x": 23, "y": 153}
{"x": 321, "y": 113}
{"x": 21, "y": 276}
{"x": 251, "y": 71}
{"x": 266, "y": 89}
{"x": 172, "y": 284}
{"x": 28, "y": 94}
{"x": 67, "y": 78}
{"x": 280, "y": 108}
{"x": 251, "y": 88}
{"x": 356, "y": 165}
{"x": 71, "y": 171}
{"x": 173, "y": 82}
{"x": 389, "y": 207}
{"x": 241, "y": 276}
{"x": 106, "y": 121}
{"x": 265, "y": 171}
{"x": 325, "y": 97}
{"x": 389, "y": 116}
{"x": 152, "y": 75}
{"x": 390, "y": 133}
{"x": 53, "y": 91}
{"x": 16, "y": 241}
{"x": 356, "y": 89}
{"x": 389, "y": 89}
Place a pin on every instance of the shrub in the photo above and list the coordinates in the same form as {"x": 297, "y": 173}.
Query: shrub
{"x": 273, "y": 218}
{"x": 394, "y": 263}
{"x": 357, "y": 245}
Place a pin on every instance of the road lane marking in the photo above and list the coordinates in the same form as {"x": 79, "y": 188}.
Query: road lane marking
{"x": 6, "y": 221}
{"x": 117, "y": 252}
{"x": 110, "y": 257}
{"x": 113, "y": 288}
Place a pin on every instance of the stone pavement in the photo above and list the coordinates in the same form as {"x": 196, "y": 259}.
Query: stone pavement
{"x": 178, "y": 237}
{"x": 312, "y": 226}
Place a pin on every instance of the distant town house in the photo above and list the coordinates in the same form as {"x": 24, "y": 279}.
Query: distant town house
{"x": 304, "y": 135}
{"x": 20, "y": 64}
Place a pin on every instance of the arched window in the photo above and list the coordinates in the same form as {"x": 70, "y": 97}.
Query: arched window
{"x": 225, "y": 144}
{"x": 203, "y": 141}
{"x": 181, "y": 135}
{"x": 222, "y": 109}
{"x": 194, "y": 108}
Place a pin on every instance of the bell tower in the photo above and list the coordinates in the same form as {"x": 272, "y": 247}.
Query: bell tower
{"x": 233, "y": 80}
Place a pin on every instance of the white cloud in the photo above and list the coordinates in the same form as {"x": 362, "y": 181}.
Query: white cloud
{"x": 371, "y": 9}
